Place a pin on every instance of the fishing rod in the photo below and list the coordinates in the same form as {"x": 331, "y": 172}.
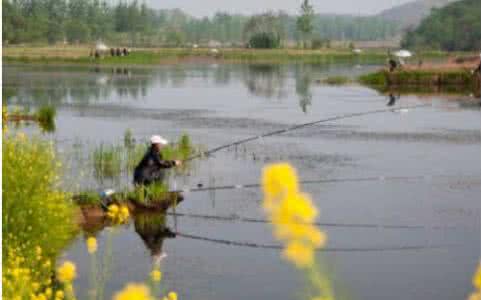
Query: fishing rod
{"x": 201, "y": 188}
{"x": 335, "y": 249}
{"x": 303, "y": 125}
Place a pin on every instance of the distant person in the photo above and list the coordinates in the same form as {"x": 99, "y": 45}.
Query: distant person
{"x": 97, "y": 54}
{"x": 118, "y": 52}
{"x": 112, "y": 52}
{"x": 392, "y": 65}
{"x": 152, "y": 166}
{"x": 125, "y": 51}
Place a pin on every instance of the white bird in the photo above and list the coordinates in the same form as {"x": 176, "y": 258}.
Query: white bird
{"x": 357, "y": 50}
{"x": 403, "y": 53}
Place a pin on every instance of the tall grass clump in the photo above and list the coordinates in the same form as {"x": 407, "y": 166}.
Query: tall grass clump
{"x": 46, "y": 118}
{"x": 38, "y": 219}
{"x": 107, "y": 161}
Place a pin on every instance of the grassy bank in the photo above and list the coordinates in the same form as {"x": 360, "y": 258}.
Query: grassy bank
{"x": 436, "y": 77}
{"x": 142, "y": 56}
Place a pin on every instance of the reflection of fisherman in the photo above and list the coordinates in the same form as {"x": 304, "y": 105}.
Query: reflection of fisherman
{"x": 151, "y": 167}
{"x": 152, "y": 230}
{"x": 392, "y": 100}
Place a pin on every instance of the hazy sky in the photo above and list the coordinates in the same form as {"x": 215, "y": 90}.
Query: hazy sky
{"x": 208, "y": 7}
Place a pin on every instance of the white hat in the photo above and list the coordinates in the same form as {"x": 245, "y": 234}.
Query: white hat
{"x": 157, "y": 139}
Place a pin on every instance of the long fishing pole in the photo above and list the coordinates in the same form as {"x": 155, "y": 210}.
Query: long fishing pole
{"x": 299, "y": 126}
{"x": 313, "y": 181}
{"x": 335, "y": 249}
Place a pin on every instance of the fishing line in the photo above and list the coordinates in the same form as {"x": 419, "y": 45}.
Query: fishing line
{"x": 303, "y": 125}
{"x": 335, "y": 249}
{"x": 234, "y": 218}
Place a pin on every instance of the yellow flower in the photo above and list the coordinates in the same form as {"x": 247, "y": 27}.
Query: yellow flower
{"x": 172, "y": 296}
{"x": 91, "y": 244}
{"x": 477, "y": 278}
{"x": 113, "y": 208}
{"x": 66, "y": 272}
{"x": 278, "y": 180}
{"x": 59, "y": 295}
{"x": 134, "y": 291}
{"x": 298, "y": 253}
{"x": 475, "y": 296}
{"x": 156, "y": 275}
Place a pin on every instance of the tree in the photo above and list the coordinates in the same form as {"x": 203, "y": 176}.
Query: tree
{"x": 304, "y": 21}
{"x": 456, "y": 27}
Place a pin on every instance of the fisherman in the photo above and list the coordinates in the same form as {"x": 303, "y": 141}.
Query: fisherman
{"x": 152, "y": 167}
{"x": 392, "y": 65}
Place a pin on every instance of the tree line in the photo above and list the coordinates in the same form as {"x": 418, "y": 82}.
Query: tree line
{"x": 133, "y": 23}
{"x": 456, "y": 27}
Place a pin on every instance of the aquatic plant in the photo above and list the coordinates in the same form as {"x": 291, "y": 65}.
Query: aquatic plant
{"x": 107, "y": 160}
{"x": 38, "y": 220}
{"x": 129, "y": 141}
{"x": 292, "y": 214}
{"x": 46, "y": 118}
{"x": 87, "y": 198}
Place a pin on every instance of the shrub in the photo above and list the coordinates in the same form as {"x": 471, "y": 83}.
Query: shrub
{"x": 264, "y": 40}
{"x": 38, "y": 220}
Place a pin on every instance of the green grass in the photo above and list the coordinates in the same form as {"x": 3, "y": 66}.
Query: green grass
{"x": 107, "y": 161}
{"x": 374, "y": 79}
{"x": 87, "y": 198}
{"x": 336, "y": 80}
{"x": 432, "y": 77}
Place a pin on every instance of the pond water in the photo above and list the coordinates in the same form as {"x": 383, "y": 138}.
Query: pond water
{"x": 417, "y": 236}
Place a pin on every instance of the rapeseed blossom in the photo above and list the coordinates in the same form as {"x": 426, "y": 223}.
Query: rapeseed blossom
{"x": 292, "y": 214}
{"x": 66, "y": 273}
{"x": 156, "y": 275}
{"x": 134, "y": 291}
{"x": 476, "y": 295}
{"x": 91, "y": 244}
{"x": 118, "y": 215}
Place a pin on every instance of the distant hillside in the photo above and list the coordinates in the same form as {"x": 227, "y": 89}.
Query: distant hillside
{"x": 454, "y": 27}
{"x": 411, "y": 14}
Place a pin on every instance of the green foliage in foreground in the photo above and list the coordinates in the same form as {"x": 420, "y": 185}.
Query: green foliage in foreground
{"x": 453, "y": 27}
{"x": 34, "y": 212}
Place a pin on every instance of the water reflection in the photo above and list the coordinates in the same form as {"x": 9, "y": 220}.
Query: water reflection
{"x": 303, "y": 84}
{"x": 81, "y": 86}
{"x": 265, "y": 80}
{"x": 152, "y": 229}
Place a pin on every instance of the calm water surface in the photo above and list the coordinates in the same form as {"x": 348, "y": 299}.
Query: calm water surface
{"x": 411, "y": 238}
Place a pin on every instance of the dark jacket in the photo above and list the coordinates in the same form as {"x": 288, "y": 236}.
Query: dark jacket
{"x": 151, "y": 167}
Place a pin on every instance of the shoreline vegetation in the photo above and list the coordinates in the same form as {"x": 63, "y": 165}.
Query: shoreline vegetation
{"x": 432, "y": 78}
{"x": 154, "y": 56}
